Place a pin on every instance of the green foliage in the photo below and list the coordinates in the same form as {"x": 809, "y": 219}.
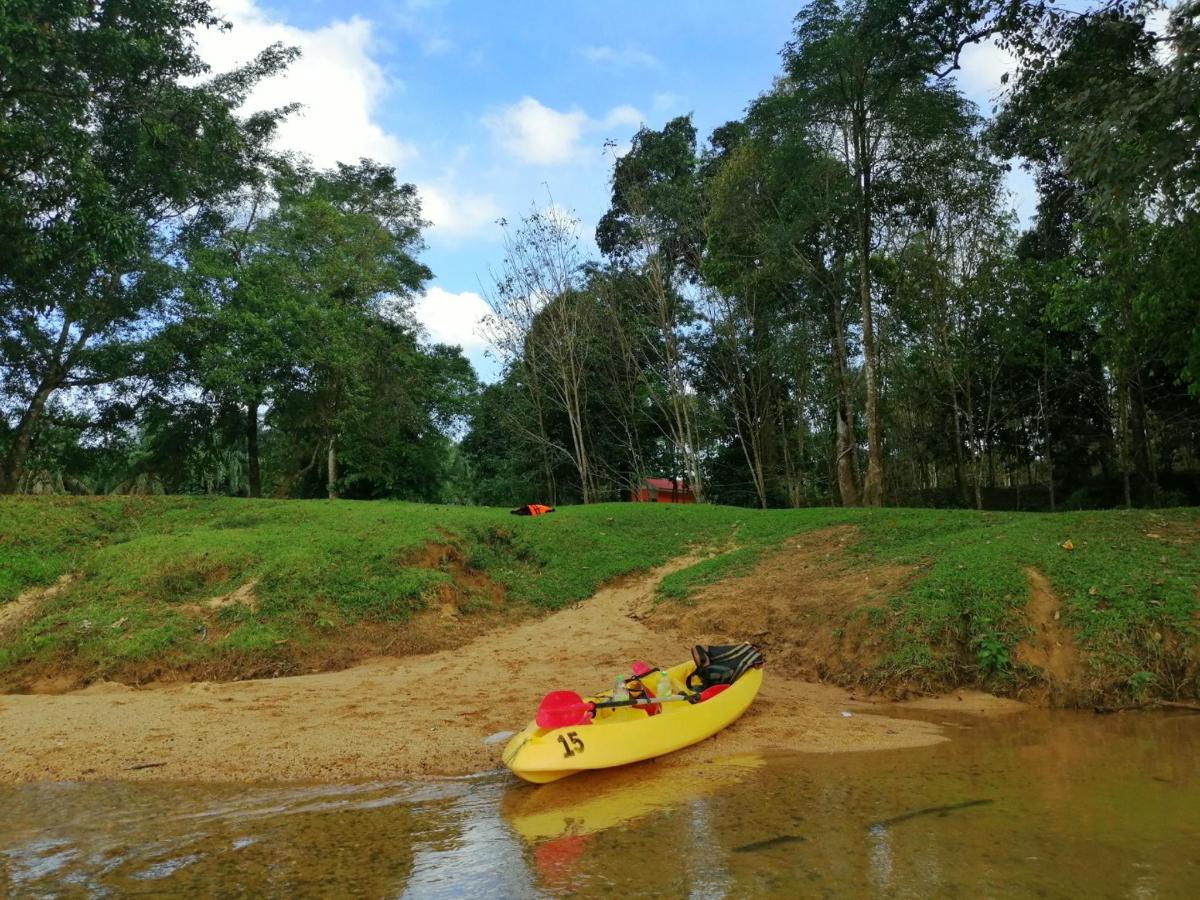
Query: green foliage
{"x": 300, "y": 308}
{"x": 832, "y": 281}
{"x": 116, "y": 145}
{"x": 991, "y": 652}
{"x": 1140, "y": 683}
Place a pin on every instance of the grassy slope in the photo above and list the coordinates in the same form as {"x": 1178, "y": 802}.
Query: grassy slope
{"x": 1128, "y": 588}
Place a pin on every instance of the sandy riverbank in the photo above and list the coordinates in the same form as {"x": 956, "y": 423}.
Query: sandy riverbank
{"x": 421, "y": 715}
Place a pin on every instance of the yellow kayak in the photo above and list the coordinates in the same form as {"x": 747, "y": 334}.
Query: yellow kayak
{"x": 622, "y": 735}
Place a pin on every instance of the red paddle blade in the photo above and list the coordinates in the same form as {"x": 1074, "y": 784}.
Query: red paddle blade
{"x": 560, "y": 709}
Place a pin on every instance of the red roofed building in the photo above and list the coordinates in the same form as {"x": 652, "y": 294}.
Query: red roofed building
{"x": 663, "y": 490}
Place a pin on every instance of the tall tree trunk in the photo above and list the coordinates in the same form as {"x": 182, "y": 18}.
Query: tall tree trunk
{"x": 548, "y": 472}
{"x": 1043, "y": 390}
{"x": 1123, "y": 427}
{"x": 1143, "y": 456}
{"x": 845, "y": 462}
{"x": 960, "y": 476}
{"x": 793, "y": 476}
{"x": 18, "y": 453}
{"x": 252, "y": 447}
{"x": 535, "y": 396}
{"x": 331, "y": 469}
{"x": 14, "y": 462}
{"x": 976, "y": 442}
{"x": 573, "y": 404}
{"x": 684, "y": 433}
{"x": 873, "y": 486}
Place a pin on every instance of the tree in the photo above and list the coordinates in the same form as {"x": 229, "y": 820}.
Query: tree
{"x": 866, "y": 91}
{"x": 779, "y": 238}
{"x": 116, "y": 145}
{"x": 1096, "y": 112}
{"x": 544, "y": 321}
{"x": 653, "y": 232}
{"x": 288, "y": 293}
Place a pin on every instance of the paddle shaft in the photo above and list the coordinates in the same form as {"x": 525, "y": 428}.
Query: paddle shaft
{"x": 613, "y": 704}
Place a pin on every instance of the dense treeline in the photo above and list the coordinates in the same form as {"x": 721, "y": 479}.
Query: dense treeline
{"x": 830, "y": 300}
{"x": 182, "y": 310}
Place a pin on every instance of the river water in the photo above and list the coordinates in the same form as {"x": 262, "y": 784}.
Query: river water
{"x": 1047, "y": 804}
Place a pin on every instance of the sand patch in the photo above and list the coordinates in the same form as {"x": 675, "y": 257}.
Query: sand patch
{"x": 239, "y": 596}
{"x": 17, "y": 612}
{"x": 974, "y": 703}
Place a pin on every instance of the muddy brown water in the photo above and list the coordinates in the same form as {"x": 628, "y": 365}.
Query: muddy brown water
{"x": 1046, "y": 804}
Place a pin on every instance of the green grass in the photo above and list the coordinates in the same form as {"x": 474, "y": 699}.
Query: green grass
{"x": 1130, "y": 598}
{"x": 317, "y": 567}
{"x": 1119, "y": 588}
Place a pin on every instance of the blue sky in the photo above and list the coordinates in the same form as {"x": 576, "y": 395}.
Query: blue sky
{"x": 486, "y": 105}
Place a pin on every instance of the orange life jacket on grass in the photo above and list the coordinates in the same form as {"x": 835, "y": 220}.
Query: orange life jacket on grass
{"x": 532, "y": 509}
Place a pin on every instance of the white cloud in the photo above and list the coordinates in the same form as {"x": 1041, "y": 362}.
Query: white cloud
{"x": 982, "y": 66}
{"x": 453, "y": 318}
{"x": 538, "y": 134}
{"x": 342, "y": 87}
{"x": 626, "y": 56}
{"x": 457, "y": 213}
{"x": 337, "y": 79}
{"x": 623, "y": 115}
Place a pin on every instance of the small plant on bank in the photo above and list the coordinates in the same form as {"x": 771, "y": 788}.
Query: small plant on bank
{"x": 1140, "y": 684}
{"x": 991, "y": 654}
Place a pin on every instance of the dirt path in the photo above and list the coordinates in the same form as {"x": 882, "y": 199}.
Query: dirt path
{"x": 422, "y": 715}
{"x": 1049, "y": 647}
{"x": 808, "y": 598}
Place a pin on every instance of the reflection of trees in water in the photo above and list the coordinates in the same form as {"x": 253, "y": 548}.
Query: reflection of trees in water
{"x": 708, "y": 864}
{"x": 881, "y": 856}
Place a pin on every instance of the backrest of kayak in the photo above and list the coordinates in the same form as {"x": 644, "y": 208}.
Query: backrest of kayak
{"x": 722, "y": 664}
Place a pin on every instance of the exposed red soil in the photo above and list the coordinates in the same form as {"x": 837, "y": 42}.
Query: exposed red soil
{"x": 806, "y": 605}
{"x": 1049, "y": 648}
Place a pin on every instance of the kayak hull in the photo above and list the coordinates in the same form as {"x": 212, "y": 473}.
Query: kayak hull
{"x": 618, "y": 737}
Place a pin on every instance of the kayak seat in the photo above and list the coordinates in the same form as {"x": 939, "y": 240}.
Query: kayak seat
{"x": 722, "y": 664}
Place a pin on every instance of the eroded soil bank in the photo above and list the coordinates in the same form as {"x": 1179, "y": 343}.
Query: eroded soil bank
{"x": 822, "y": 613}
{"x": 422, "y": 715}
